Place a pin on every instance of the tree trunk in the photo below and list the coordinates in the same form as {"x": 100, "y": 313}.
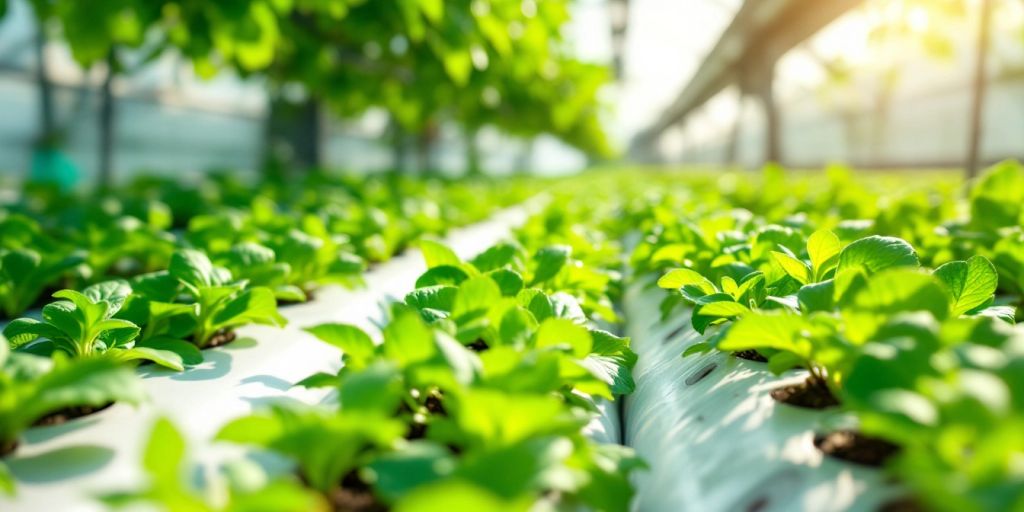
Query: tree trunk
{"x": 524, "y": 163}
{"x": 472, "y": 153}
{"x": 425, "y": 142}
{"x": 294, "y": 136}
{"x": 880, "y": 124}
{"x": 732, "y": 147}
{"x": 47, "y": 126}
{"x": 773, "y": 122}
{"x": 978, "y": 93}
{"x": 399, "y": 150}
{"x": 106, "y": 128}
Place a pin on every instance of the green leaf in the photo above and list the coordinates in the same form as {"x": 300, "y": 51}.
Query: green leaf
{"x": 680, "y": 277}
{"x": 548, "y": 262}
{"x": 113, "y": 293}
{"x": 164, "y": 455}
{"x": 408, "y": 340}
{"x": 611, "y": 361}
{"x": 537, "y": 302}
{"x": 440, "y": 297}
{"x": 6, "y": 478}
{"x": 356, "y": 345}
{"x": 436, "y": 254}
{"x": 417, "y": 464}
{"x": 723, "y": 309}
{"x": 442, "y": 275}
{"x": 876, "y": 253}
{"x": 764, "y": 330}
{"x": 455, "y": 494}
{"x": 793, "y": 267}
{"x": 996, "y": 199}
{"x": 562, "y": 332}
{"x": 816, "y": 297}
{"x": 194, "y": 268}
{"x": 376, "y": 388}
{"x": 721, "y": 306}
{"x": 510, "y": 282}
{"x": 971, "y": 283}
{"x": 22, "y": 331}
{"x": 92, "y": 381}
{"x": 474, "y": 294}
{"x": 165, "y": 358}
{"x": 188, "y": 352}
{"x": 496, "y": 257}
{"x": 252, "y": 306}
{"x": 823, "y": 248}
{"x": 902, "y": 290}
{"x": 517, "y": 326}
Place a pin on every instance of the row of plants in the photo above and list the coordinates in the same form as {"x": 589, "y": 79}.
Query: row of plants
{"x": 476, "y": 396}
{"x": 237, "y": 256}
{"x": 896, "y": 294}
{"x": 900, "y": 307}
{"x": 289, "y": 238}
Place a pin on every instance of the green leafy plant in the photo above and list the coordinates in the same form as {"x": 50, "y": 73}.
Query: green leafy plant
{"x": 221, "y": 304}
{"x": 25, "y": 274}
{"x": 32, "y": 387}
{"x": 83, "y": 325}
{"x": 240, "y": 486}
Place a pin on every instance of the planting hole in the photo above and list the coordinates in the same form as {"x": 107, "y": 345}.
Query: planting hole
{"x": 855, "y": 447}
{"x": 700, "y": 374}
{"x": 809, "y": 394}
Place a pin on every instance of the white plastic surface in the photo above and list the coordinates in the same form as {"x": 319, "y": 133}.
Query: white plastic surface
{"x": 58, "y": 468}
{"x": 720, "y": 442}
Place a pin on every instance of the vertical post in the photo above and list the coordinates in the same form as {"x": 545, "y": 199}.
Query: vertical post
{"x": 47, "y": 126}
{"x": 978, "y": 93}
{"x": 524, "y": 162}
{"x": 310, "y": 131}
{"x": 106, "y": 128}
{"x": 732, "y": 148}
{"x": 294, "y": 136}
{"x": 425, "y": 144}
{"x": 773, "y": 123}
{"x": 619, "y": 16}
{"x": 398, "y": 147}
{"x": 472, "y": 152}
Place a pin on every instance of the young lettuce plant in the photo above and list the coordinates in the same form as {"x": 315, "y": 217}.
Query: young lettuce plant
{"x": 317, "y": 257}
{"x": 221, "y": 304}
{"x": 25, "y": 274}
{"x": 258, "y": 265}
{"x": 483, "y": 303}
{"x": 239, "y": 486}
{"x": 951, "y": 396}
{"x": 32, "y": 387}
{"x": 83, "y": 325}
{"x": 326, "y": 445}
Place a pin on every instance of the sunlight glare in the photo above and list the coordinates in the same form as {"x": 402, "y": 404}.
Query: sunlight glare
{"x": 917, "y": 19}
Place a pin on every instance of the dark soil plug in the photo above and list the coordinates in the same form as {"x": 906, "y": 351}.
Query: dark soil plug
{"x": 904, "y": 504}
{"x": 751, "y": 355}
{"x": 354, "y": 496}
{"x": 8, "y": 448}
{"x": 67, "y": 414}
{"x": 478, "y": 346}
{"x": 221, "y": 338}
{"x": 855, "y": 447}
{"x": 809, "y": 394}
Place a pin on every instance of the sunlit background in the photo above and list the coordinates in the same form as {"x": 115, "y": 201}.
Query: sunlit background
{"x": 884, "y": 83}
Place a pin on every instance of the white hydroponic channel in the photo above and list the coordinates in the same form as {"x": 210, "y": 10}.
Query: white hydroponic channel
{"x": 61, "y": 468}
{"x": 715, "y": 439}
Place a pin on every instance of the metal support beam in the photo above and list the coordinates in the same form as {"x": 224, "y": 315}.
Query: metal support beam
{"x": 761, "y": 32}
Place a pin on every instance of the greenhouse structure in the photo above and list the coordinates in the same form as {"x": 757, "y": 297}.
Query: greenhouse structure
{"x": 511, "y": 255}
